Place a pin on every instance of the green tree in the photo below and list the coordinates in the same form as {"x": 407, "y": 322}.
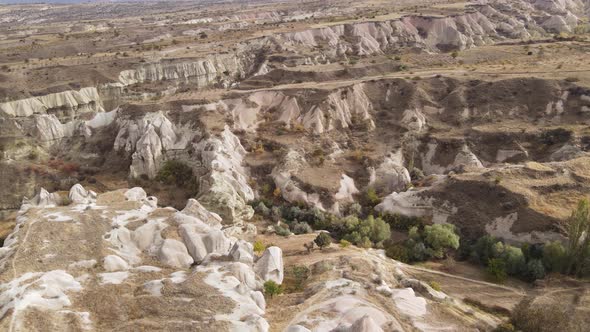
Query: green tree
{"x": 514, "y": 260}
{"x": 483, "y": 250}
{"x": 554, "y": 256}
{"x": 323, "y": 240}
{"x": 440, "y": 237}
{"x": 535, "y": 270}
{"x": 380, "y": 230}
{"x": 578, "y": 244}
{"x": 496, "y": 270}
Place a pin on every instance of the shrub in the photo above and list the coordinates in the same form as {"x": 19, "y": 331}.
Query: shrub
{"x": 65, "y": 201}
{"x": 175, "y": 172}
{"x": 535, "y": 270}
{"x": 532, "y": 251}
{"x": 379, "y": 229}
{"x": 300, "y": 274}
{"x": 277, "y": 193}
{"x": 344, "y": 243}
{"x": 372, "y": 197}
{"x": 259, "y": 247}
{"x": 282, "y": 231}
{"x": 578, "y": 246}
{"x": 418, "y": 251}
{"x": 33, "y": 155}
{"x": 514, "y": 260}
{"x": 435, "y": 285}
{"x": 398, "y": 252}
{"x": 505, "y": 327}
{"x": 365, "y": 243}
{"x": 323, "y": 240}
{"x": 496, "y": 270}
{"x": 275, "y": 213}
{"x": 554, "y": 256}
{"x": 546, "y": 317}
{"x": 483, "y": 249}
{"x": 400, "y": 222}
{"x": 271, "y": 288}
{"x": 262, "y": 209}
{"x": 301, "y": 228}
{"x": 441, "y": 237}
{"x": 355, "y": 209}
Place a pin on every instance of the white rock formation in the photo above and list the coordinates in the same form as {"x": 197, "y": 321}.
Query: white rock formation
{"x": 291, "y": 164}
{"x": 75, "y": 102}
{"x": 391, "y": 175}
{"x": 346, "y": 191}
{"x": 79, "y": 195}
{"x": 136, "y": 233}
{"x": 114, "y": 263}
{"x": 173, "y": 253}
{"x": 200, "y": 71}
{"x": 147, "y": 139}
{"x": 224, "y": 188}
{"x": 407, "y": 203}
{"x": 464, "y": 158}
{"x": 42, "y": 199}
{"x": 483, "y": 24}
{"x": 501, "y": 227}
{"x": 270, "y": 265}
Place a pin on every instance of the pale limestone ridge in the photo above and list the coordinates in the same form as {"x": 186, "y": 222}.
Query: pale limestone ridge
{"x": 126, "y": 247}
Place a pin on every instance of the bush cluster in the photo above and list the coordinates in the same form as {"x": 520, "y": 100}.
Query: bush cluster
{"x": 364, "y": 232}
{"x": 529, "y": 262}
{"x": 427, "y": 242}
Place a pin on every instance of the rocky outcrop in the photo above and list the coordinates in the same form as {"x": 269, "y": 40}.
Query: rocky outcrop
{"x": 464, "y": 159}
{"x": 42, "y": 199}
{"x": 390, "y": 175}
{"x": 123, "y": 252}
{"x": 220, "y": 68}
{"x": 224, "y": 188}
{"x": 290, "y": 191}
{"x": 223, "y": 185}
{"x": 147, "y": 139}
{"x": 270, "y": 265}
{"x": 79, "y": 195}
{"x": 377, "y": 297}
{"x": 67, "y": 104}
{"x": 481, "y": 24}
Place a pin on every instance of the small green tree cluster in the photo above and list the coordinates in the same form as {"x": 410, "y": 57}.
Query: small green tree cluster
{"x": 425, "y": 243}
{"x": 363, "y": 232}
{"x": 502, "y": 260}
{"x": 301, "y": 220}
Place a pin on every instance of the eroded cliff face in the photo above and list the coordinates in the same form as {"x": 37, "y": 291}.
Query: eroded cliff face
{"x": 482, "y": 24}
{"x": 66, "y": 105}
{"x": 395, "y": 116}
{"x": 217, "y": 161}
{"x": 104, "y": 262}
{"x": 224, "y": 69}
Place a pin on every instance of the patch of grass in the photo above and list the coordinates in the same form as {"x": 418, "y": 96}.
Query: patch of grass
{"x": 435, "y": 285}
